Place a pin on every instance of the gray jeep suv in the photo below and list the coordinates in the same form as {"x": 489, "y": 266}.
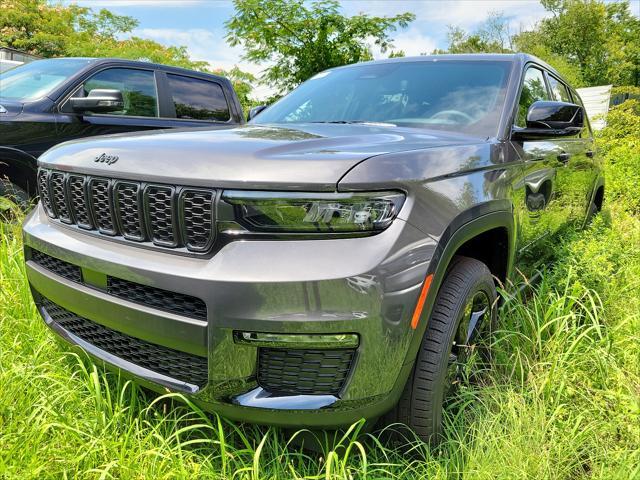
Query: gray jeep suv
{"x": 336, "y": 258}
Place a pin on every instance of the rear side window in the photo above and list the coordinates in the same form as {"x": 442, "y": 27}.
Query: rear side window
{"x": 196, "y": 99}
{"x": 559, "y": 90}
{"x": 533, "y": 89}
{"x": 138, "y": 89}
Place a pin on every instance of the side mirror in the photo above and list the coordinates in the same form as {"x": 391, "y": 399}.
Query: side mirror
{"x": 255, "y": 111}
{"x": 99, "y": 101}
{"x": 551, "y": 119}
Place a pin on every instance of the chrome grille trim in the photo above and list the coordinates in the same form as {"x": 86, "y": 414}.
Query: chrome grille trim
{"x": 163, "y": 216}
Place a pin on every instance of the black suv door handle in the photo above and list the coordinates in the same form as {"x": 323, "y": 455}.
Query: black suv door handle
{"x": 563, "y": 157}
{"x": 590, "y": 153}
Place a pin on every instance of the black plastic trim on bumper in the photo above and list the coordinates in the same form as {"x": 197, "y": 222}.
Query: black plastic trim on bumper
{"x": 118, "y": 362}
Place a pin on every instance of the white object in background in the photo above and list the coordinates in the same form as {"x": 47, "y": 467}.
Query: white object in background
{"x": 7, "y": 64}
{"x": 596, "y": 103}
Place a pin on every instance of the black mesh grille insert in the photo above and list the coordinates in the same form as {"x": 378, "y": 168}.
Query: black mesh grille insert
{"x": 101, "y": 203}
{"x": 166, "y": 361}
{"x": 78, "y": 201}
{"x": 167, "y": 215}
{"x": 161, "y": 215}
{"x": 198, "y": 226}
{"x": 59, "y": 196}
{"x": 303, "y": 372}
{"x": 128, "y": 200}
{"x": 172, "y": 302}
{"x": 43, "y": 191}
{"x": 57, "y": 266}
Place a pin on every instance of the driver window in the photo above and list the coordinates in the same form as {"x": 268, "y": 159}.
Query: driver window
{"x": 138, "y": 89}
{"x": 533, "y": 89}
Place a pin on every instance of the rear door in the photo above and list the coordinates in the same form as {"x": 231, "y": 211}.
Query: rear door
{"x": 141, "y": 104}
{"x": 578, "y": 173}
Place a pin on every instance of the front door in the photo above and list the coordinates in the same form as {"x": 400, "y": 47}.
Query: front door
{"x": 140, "y": 112}
{"x": 540, "y": 194}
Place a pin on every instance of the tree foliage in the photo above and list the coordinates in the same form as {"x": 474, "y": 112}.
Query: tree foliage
{"x": 51, "y": 30}
{"x": 587, "y": 41}
{"x": 299, "y": 40}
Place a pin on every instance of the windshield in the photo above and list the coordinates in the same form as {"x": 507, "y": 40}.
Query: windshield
{"x": 36, "y": 79}
{"x": 462, "y": 96}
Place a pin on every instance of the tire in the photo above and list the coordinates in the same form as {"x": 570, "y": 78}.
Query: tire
{"x": 593, "y": 211}
{"x": 14, "y": 193}
{"x": 430, "y": 383}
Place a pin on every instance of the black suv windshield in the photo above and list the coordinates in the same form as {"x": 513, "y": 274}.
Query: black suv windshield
{"x": 462, "y": 96}
{"x": 37, "y": 79}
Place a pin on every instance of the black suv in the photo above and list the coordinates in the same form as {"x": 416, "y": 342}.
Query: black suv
{"x": 50, "y": 101}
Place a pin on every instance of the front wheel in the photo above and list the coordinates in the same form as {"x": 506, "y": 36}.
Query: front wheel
{"x": 14, "y": 193}
{"x": 463, "y": 314}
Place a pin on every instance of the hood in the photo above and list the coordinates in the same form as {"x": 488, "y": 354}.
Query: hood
{"x": 307, "y": 156}
{"x": 9, "y": 108}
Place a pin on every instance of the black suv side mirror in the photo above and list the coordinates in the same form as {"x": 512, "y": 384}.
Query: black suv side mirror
{"x": 255, "y": 111}
{"x": 99, "y": 101}
{"x": 551, "y": 119}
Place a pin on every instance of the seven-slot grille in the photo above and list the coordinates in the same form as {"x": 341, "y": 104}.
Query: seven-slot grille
{"x": 166, "y": 215}
{"x": 166, "y": 361}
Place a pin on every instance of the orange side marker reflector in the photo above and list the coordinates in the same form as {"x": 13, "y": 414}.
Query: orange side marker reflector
{"x": 423, "y": 296}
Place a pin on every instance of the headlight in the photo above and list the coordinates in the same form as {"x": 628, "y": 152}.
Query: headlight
{"x": 292, "y": 212}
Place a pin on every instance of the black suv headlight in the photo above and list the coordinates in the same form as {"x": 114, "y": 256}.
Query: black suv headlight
{"x": 298, "y": 212}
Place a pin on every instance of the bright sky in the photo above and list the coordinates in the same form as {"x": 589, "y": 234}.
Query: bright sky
{"x": 199, "y": 24}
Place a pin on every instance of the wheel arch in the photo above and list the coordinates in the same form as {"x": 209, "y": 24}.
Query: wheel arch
{"x": 469, "y": 233}
{"x": 20, "y": 168}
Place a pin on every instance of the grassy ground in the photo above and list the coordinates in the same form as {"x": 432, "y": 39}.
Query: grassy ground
{"x": 561, "y": 401}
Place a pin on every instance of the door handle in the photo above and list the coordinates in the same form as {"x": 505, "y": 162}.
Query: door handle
{"x": 563, "y": 157}
{"x": 590, "y": 153}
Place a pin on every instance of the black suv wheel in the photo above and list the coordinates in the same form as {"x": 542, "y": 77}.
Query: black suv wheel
{"x": 463, "y": 313}
{"x": 14, "y": 193}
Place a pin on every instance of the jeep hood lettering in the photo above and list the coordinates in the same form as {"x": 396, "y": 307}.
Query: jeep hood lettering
{"x": 307, "y": 156}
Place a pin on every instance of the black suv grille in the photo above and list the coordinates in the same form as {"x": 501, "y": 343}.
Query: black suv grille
{"x": 166, "y": 361}
{"x": 303, "y": 372}
{"x": 167, "y": 216}
{"x": 153, "y": 297}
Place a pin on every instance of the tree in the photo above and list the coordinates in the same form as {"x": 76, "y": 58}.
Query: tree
{"x": 300, "y": 41}
{"x": 493, "y": 36}
{"x": 47, "y": 30}
{"x": 599, "y": 40}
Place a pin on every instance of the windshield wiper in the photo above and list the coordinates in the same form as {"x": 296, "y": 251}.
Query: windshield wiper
{"x": 357, "y": 122}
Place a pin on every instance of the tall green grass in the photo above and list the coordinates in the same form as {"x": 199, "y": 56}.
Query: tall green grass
{"x": 561, "y": 400}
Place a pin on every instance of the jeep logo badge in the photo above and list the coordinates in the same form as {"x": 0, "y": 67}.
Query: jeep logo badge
{"x": 108, "y": 159}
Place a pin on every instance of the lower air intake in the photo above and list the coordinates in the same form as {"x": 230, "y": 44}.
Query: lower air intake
{"x": 172, "y": 363}
{"x": 303, "y": 372}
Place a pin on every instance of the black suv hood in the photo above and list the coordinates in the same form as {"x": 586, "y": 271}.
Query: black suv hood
{"x": 307, "y": 156}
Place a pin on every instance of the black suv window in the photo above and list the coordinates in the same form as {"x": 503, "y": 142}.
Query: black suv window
{"x": 533, "y": 89}
{"x": 559, "y": 90}
{"x": 138, "y": 88}
{"x": 198, "y": 99}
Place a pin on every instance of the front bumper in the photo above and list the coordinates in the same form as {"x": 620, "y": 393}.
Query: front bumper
{"x": 362, "y": 287}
